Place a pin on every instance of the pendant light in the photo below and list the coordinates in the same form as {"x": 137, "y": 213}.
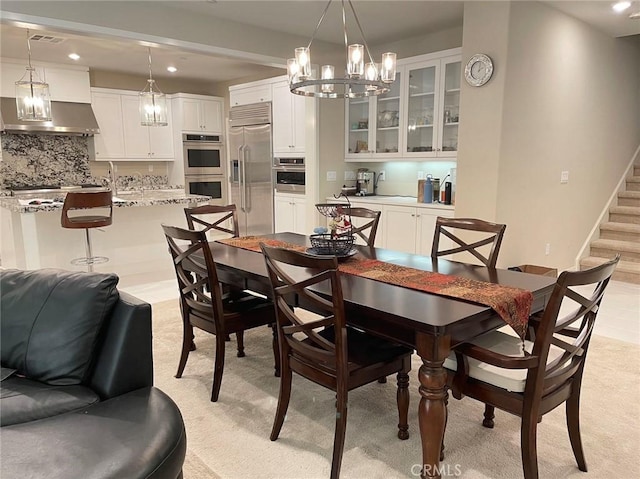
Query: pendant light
{"x": 33, "y": 102}
{"x": 361, "y": 78}
{"x": 153, "y": 103}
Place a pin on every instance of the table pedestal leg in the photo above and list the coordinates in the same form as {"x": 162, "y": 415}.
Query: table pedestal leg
{"x": 432, "y": 412}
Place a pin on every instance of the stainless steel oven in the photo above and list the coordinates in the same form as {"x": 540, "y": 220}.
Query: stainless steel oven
{"x": 289, "y": 175}
{"x": 208, "y": 185}
{"x": 203, "y": 154}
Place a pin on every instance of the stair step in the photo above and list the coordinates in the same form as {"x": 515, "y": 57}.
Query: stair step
{"x": 624, "y": 214}
{"x": 606, "y": 248}
{"x": 633, "y": 183}
{"x": 629, "y": 198}
{"x": 620, "y": 231}
{"x": 625, "y": 270}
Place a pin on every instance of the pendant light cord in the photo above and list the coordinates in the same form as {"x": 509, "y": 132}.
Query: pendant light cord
{"x": 150, "y": 74}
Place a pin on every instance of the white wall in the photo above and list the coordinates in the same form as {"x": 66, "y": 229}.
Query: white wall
{"x": 564, "y": 97}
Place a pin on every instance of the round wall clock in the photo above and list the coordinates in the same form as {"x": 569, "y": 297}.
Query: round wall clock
{"x": 478, "y": 70}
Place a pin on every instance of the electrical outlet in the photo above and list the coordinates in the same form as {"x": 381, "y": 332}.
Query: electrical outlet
{"x": 564, "y": 177}
{"x": 382, "y": 176}
{"x": 331, "y": 176}
{"x": 150, "y": 168}
{"x": 421, "y": 175}
{"x": 547, "y": 249}
{"x": 349, "y": 175}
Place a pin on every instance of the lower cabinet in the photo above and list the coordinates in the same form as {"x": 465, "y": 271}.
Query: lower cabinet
{"x": 290, "y": 213}
{"x": 410, "y": 229}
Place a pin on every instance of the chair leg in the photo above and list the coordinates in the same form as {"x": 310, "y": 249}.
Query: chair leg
{"x": 573, "y": 425}
{"x": 276, "y": 351}
{"x": 187, "y": 346}
{"x": 402, "y": 398}
{"x": 218, "y": 368}
{"x": 240, "y": 339}
{"x": 528, "y": 446}
{"x": 488, "y": 416}
{"x": 283, "y": 399}
{"x": 89, "y": 252}
{"x": 341, "y": 429}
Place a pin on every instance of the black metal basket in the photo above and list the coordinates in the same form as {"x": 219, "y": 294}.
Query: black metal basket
{"x": 325, "y": 244}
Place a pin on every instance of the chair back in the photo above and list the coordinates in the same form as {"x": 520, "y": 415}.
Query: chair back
{"x": 213, "y": 217}
{"x": 196, "y": 274}
{"x": 292, "y": 273}
{"x": 567, "y": 323}
{"x": 447, "y": 226}
{"x": 79, "y": 200}
{"x": 369, "y": 236}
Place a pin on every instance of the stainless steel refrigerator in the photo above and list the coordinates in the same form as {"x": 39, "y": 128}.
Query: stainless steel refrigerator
{"x": 250, "y": 167}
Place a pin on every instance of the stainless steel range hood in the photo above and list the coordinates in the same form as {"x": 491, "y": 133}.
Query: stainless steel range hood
{"x": 67, "y": 119}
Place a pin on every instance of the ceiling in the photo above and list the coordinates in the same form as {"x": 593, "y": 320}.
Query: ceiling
{"x": 409, "y": 18}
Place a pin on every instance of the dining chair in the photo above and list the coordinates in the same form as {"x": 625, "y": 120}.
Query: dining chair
{"x": 204, "y": 306}
{"x": 213, "y": 218}
{"x": 325, "y": 350}
{"x": 369, "y": 236}
{"x": 448, "y": 227}
{"x": 494, "y": 368}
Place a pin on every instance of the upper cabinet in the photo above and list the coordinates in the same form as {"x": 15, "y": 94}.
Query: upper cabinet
{"x": 65, "y": 84}
{"x": 198, "y": 114}
{"x": 288, "y": 120}
{"x": 247, "y": 93}
{"x": 121, "y": 136}
{"x": 418, "y": 118}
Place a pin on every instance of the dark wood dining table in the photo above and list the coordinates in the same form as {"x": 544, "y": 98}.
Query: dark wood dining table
{"x": 429, "y": 323}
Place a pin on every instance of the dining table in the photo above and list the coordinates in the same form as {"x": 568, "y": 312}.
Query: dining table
{"x": 430, "y": 323}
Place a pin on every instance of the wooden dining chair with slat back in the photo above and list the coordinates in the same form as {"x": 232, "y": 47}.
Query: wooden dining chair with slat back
{"x": 325, "y": 350}
{"x": 368, "y": 230}
{"x": 213, "y": 219}
{"x": 494, "y": 368}
{"x": 446, "y": 227}
{"x": 203, "y": 305}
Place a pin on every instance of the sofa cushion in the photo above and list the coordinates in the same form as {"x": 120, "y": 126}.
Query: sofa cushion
{"x": 51, "y": 320}
{"x": 24, "y": 400}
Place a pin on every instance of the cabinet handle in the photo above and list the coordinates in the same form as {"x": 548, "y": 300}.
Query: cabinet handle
{"x": 418, "y": 216}
{"x": 412, "y": 215}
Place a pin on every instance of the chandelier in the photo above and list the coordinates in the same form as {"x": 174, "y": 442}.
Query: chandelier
{"x": 33, "y": 102}
{"x": 153, "y": 103}
{"x": 361, "y": 78}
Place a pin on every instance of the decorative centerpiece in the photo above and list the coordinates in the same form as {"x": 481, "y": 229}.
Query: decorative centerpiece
{"x": 337, "y": 239}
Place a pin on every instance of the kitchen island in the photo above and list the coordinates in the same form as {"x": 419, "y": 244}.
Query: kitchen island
{"x": 32, "y": 236}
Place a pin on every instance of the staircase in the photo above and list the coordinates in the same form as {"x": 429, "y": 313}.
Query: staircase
{"x": 621, "y": 234}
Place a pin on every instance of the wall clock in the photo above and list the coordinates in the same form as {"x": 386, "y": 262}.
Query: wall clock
{"x": 478, "y": 70}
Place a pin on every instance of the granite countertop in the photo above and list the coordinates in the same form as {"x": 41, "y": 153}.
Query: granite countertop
{"x": 392, "y": 200}
{"x": 54, "y": 201}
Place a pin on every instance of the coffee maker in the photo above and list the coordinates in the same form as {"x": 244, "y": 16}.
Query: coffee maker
{"x": 365, "y": 182}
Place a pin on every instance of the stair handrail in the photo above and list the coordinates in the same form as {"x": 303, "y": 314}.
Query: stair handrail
{"x": 592, "y": 234}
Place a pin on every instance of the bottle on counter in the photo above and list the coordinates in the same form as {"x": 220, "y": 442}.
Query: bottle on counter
{"x": 428, "y": 190}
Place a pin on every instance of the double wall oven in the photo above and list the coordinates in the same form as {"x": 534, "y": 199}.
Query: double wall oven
{"x": 205, "y": 166}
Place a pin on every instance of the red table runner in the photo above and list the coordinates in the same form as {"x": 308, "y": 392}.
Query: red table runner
{"x": 512, "y": 304}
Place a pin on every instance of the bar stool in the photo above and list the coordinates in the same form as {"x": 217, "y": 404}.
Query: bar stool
{"x": 78, "y": 200}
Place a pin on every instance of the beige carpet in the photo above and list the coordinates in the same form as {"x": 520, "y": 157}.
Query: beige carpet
{"x": 230, "y": 439}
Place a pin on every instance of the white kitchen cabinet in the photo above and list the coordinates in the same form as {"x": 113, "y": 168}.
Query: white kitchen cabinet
{"x": 255, "y": 92}
{"x": 109, "y": 143}
{"x": 290, "y": 213}
{"x": 198, "y": 114}
{"x": 288, "y": 120}
{"x": 145, "y": 142}
{"x": 410, "y": 229}
{"x": 65, "y": 84}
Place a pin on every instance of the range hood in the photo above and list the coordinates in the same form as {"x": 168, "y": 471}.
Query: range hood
{"x": 67, "y": 119}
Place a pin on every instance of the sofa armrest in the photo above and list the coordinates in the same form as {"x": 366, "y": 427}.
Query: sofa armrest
{"x": 124, "y": 360}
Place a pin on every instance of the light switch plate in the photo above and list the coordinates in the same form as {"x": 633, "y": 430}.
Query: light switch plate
{"x": 564, "y": 177}
{"x": 349, "y": 175}
{"x": 331, "y": 176}
{"x": 382, "y": 176}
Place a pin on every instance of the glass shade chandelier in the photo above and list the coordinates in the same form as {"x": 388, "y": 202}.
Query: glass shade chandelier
{"x": 361, "y": 78}
{"x": 33, "y": 101}
{"x": 153, "y": 103}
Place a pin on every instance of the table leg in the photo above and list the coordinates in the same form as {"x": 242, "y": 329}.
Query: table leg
{"x": 432, "y": 411}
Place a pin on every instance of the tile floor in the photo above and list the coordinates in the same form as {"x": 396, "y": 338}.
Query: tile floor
{"x": 619, "y": 315}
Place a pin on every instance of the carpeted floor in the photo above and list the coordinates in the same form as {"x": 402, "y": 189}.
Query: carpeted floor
{"x": 230, "y": 439}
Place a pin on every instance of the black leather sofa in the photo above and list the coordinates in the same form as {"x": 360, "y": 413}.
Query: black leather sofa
{"x": 77, "y": 397}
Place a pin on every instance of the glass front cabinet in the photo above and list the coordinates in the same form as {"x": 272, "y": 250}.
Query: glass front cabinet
{"x": 418, "y": 118}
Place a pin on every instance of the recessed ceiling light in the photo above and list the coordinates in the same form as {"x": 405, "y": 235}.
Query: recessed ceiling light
{"x": 74, "y": 56}
{"x": 621, "y": 6}
{"x": 172, "y": 69}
